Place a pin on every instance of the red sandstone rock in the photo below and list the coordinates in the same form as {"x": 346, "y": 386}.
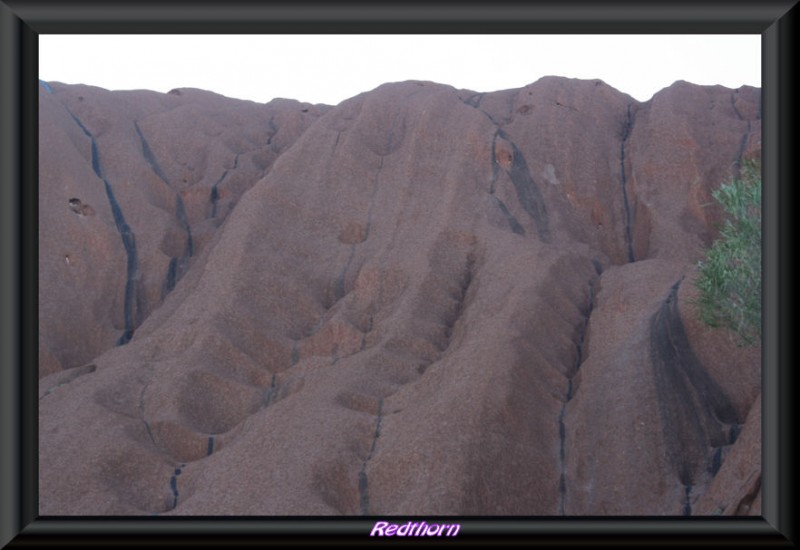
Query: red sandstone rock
{"x": 421, "y": 301}
{"x": 176, "y": 164}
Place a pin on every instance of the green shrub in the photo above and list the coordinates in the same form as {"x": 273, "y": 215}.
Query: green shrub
{"x": 729, "y": 282}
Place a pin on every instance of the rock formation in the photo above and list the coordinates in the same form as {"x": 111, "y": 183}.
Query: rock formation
{"x": 421, "y": 301}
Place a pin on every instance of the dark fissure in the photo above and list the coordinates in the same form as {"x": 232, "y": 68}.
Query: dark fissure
{"x": 128, "y": 241}
{"x": 744, "y": 140}
{"x": 363, "y": 480}
{"x": 215, "y": 187}
{"x": 626, "y": 134}
{"x": 528, "y": 193}
{"x": 173, "y": 274}
{"x": 697, "y": 418}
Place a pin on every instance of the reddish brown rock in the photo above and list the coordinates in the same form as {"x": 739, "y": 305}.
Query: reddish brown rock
{"x": 431, "y": 301}
{"x": 175, "y": 164}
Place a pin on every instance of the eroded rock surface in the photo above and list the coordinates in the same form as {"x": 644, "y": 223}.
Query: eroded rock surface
{"x": 421, "y": 301}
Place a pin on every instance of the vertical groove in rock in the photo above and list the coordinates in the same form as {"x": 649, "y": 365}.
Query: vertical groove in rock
{"x": 172, "y": 275}
{"x": 745, "y": 137}
{"x": 562, "y": 429}
{"x": 495, "y": 164}
{"x": 626, "y": 133}
{"x": 562, "y": 434}
{"x": 513, "y": 223}
{"x": 270, "y": 393}
{"x": 180, "y": 212}
{"x": 339, "y": 290}
{"x": 273, "y": 128}
{"x": 210, "y": 448}
{"x": 694, "y": 410}
{"x": 173, "y": 485}
{"x": 144, "y": 420}
{"x": 129, "y": 242}
{"x": 180, "y": 209}
{"x": 128, "y": 239}
{"x": 363, "y": 481}
{"x": 687, "y": 504}
{"x": 528, "y": 193}
{"x": 149, "y": 156}
{"x": 215, "y": 188}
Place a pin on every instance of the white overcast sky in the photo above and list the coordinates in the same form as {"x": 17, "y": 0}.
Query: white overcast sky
{"x": 331, "y": 68}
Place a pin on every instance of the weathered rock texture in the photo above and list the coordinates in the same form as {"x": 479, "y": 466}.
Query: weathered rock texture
{"x": 421, "y": 301}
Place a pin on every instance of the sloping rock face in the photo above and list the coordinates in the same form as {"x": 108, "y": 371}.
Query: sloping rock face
{"x": 132, "y": 187}
{"x": 422, "y": 301}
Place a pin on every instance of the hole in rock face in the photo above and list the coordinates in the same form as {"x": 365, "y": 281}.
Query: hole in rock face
{"x": 79, "y": 208}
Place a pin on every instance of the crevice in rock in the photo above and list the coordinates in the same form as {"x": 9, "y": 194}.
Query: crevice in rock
{"x": 273, "y": 128}
{"x": 180, "y": 208}
{"x": 475, "y": 100}
{"x": 142, "y": 415}
{"x": 528, "y": 193}
{"x": 626, "y": 134}
{"x": 569, "y": 107}
{"x": 734, "y": 432}
{"x": 149, "y": 156}
{"x": 568, "y": 395}
{"x": 687, "y": 503}
{"x": 336, "y": 142}
{"x": 128, "y": 240}
{"x": 214, "y": 198}
{"x": 363, "y": 480}
{"x": 495, "y": 164}
{"x": 513, "y": 223}
{"x": 173, "y": 486}
{"x": 210, "y": 448}
{"x": 562, "y": 434}
{"x": 475, "y": 103}
{"x": 172, "y": 272}
{"x": 180, "y": 212}
{"x": 745, "y": 138}
{"x": 339, "y": 288}
{"x": 370, "y": 322}
{"x": 695, "y": 413}
{"x": 215, "y": 188}
{"x": 271, "y": 392}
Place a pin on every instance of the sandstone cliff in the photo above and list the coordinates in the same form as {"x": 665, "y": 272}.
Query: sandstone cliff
{"x": 421, "y": 301}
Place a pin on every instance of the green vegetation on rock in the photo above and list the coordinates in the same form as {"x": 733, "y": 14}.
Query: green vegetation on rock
{"x": 729, "y": 282}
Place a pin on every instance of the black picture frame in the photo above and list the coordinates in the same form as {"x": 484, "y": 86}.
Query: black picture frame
{"x": 21, "y": 21}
